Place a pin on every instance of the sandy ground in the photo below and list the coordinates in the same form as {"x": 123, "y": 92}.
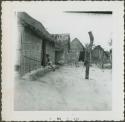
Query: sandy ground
{"x": 66, "y": 89}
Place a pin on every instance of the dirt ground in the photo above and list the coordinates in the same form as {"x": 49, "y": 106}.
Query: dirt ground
{"x": 66, "y": 89}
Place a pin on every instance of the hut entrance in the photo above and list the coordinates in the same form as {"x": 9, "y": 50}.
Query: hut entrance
{"x": 82, "y": 56}
{"x": 58, "y": 56}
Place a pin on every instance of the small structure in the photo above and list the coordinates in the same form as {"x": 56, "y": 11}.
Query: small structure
{"x": 77, "y": 51}
{"x": 110, "y": 55}
{"x": 62, "y": 46}
{"x": 99, "y": 56}
{"x": 34, "y": 43}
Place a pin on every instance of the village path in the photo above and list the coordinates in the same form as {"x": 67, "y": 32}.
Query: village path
{"x": 66, "y": 89}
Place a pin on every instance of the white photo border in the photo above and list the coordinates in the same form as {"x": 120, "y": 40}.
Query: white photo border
{"x": 8, "y": 58}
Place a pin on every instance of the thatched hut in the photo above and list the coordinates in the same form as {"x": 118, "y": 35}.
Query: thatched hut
{"x": 62, "y": 46}
{"x": 77, "y": 51}
{"x": 99, "y": 56}
{"x": 34, "y": 43}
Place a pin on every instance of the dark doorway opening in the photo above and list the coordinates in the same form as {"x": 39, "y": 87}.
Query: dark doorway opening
{"x": 82, "y": 56}
{"x": 58, "y": 56}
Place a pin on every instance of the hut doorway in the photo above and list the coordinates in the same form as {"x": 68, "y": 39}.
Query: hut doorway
{"x": 82, "y": 56}
{"x": 58, "y": 56}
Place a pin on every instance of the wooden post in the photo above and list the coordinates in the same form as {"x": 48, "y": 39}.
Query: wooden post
{"x": 88, "y": 54}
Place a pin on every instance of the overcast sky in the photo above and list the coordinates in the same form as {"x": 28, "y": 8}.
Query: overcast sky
{"x": 78, "y": 25}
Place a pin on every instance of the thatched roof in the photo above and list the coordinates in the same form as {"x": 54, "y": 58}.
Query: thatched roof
{"x": 77, "y": 45}
{"x": 98, "y": 47}
{"x": 107, "y": 53}
{"x": 62, "y": 41}
{"x": 34, "y": 25}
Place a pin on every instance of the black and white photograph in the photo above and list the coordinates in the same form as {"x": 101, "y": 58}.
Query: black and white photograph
{"x": 63, "y": 57}
{"x": 71, "y": 67}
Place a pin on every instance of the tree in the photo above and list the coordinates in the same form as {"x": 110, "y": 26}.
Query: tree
{"x": 88, "y": 54}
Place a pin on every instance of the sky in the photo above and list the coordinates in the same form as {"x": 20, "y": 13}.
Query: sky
{"x": 78, "y": 25}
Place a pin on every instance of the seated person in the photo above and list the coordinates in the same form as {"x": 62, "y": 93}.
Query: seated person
{"x": 49, "y": 63}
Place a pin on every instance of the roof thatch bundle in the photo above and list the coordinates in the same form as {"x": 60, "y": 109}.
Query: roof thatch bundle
{"x": 62, "y": 41}
{"x": 34, "y": 25}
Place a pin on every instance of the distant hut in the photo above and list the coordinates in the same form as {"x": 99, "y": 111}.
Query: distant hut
{"x": 34, "y": 43}
{"x": 77, "y": 51}
{"x": 99, "y": 56}
{"x": 62, "y": 46}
